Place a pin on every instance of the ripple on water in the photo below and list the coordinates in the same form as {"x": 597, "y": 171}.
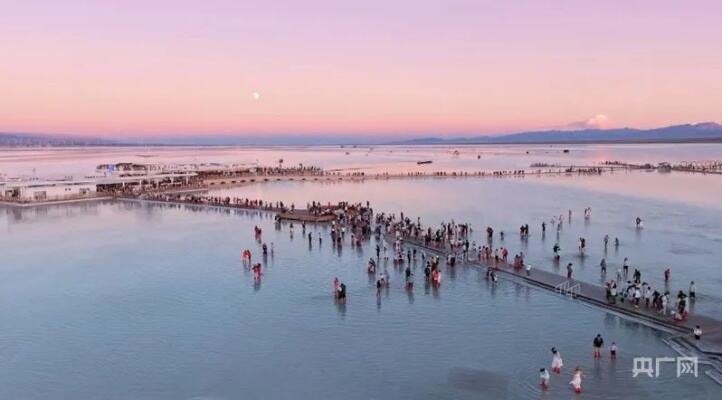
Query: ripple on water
{"x": 489, "y": 383}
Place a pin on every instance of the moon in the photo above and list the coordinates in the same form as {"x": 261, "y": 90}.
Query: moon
{"x": 256, "y": 96}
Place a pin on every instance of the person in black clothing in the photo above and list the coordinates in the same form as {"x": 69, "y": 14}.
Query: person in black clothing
{"x": 598, "y": 343}
{"x": 341, "y": 295}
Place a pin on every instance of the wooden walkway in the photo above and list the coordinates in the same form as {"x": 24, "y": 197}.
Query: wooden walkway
{"x": 711, "y": 342}
{"x": 305, "y": 216}
{"x": 297, "y": 214}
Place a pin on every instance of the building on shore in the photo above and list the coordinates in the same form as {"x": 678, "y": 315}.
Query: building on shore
{"x": 35, "y": 191}
{"x": 38, "y": 190}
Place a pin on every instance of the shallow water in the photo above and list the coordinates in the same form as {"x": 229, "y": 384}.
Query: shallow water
{"x": 676, "y": 235}
{"x": 120, "y": 300}
{"x": 81, "y": 161}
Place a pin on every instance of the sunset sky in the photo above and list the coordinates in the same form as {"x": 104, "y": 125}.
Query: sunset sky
{"x": 322, "y": 67}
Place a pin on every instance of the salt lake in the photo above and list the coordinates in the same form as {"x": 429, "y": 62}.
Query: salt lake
{"x": 121, "y": 299}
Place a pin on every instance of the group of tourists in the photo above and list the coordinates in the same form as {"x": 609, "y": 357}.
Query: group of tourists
{"x": 403, "y": 234}
{"x": 558, "y": 363}
{"x": 636, "y": 292}
{"x": 225, "y": 201}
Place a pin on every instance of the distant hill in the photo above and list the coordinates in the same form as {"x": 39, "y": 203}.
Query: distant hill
{"x": 707, "y": 131}
{"x": 38, "y": 140}
{"x": 702, "y": 132}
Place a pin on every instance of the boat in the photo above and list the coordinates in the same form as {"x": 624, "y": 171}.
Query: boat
{"x": 424, "y": 162}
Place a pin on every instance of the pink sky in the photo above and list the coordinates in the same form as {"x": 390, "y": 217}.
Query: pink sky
{"x": 132, "y": 67}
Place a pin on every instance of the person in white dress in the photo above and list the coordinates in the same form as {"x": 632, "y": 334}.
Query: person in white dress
{"x": 557, "y": 363}
{"x": 576, "y": 381}
{"x": 544, "y": 378}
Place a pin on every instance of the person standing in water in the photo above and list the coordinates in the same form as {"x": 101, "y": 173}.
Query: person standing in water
{"x": 613, "y": 351}
{"x": 569, "y": 271}
{"x": 557, "y": 362}
{"x": 576, "y": 381}
{"x": 342, "y": 293}
{"x": 544, "y": 378}
{"x": 409, "y": 280}
{"x": 598, "y": 343}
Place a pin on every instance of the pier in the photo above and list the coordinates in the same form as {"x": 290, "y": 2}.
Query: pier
{"x": 137, "y": 180}
{"x": 317, "y": 213}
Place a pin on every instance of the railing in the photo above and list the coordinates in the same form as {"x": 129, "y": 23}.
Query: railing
{"x": 568, "y": 288}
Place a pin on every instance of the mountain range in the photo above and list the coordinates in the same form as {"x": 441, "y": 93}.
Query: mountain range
{"x": 701, "y": 132}
{"x": 43, "y": 140}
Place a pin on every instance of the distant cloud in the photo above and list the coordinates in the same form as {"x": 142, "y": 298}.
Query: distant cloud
{"x": 599, "y": 121}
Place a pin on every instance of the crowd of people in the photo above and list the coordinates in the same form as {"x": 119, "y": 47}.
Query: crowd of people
{"x": 636, "y": 292}
{"x": 409, "y": 240}
{"x": 225, "y": 201}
